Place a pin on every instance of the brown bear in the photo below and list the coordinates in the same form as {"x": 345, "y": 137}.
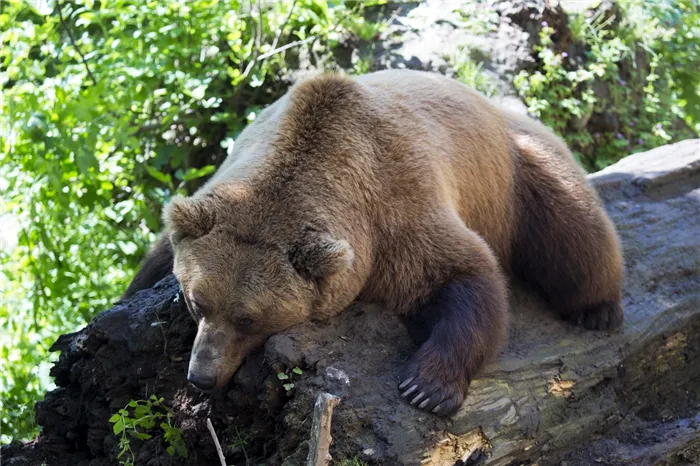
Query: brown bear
{"x": 400, "y": 187}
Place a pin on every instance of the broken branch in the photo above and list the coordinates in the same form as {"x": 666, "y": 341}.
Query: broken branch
{"x": 321, "y": 430}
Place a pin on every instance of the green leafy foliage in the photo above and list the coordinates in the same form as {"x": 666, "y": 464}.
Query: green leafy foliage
{"x": 108, "y": 110}
{"x": 639, "y": 75}
{"x": 471, "y": 73}
{"x": 138, "y": 420}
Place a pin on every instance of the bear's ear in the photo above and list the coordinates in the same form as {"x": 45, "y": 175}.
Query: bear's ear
{"x": 318, "y": 255}
{"x": 187, "y": 217}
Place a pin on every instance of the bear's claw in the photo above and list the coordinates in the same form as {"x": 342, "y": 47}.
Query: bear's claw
{"x": 406, "y": 382}
{"x": 433, "y": 395}
{"x": 410, "y": 390}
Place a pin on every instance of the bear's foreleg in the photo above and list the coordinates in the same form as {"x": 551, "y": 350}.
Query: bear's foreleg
{"x": 468, "y": 316}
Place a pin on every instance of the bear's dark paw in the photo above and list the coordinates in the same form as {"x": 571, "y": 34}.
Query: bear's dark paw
{"x": 604, "y": 316}
{"x": 432, "y": 393}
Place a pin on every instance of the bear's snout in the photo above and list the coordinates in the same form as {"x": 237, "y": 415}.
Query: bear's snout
{"x": 204, "y": 382}
{"x": 202, "y": 370}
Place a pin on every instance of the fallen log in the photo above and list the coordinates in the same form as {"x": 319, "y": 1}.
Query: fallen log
{"x": 558, "y": 393}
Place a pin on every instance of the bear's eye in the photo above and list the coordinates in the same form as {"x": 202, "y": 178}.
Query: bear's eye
{"x": 244, "y": 324}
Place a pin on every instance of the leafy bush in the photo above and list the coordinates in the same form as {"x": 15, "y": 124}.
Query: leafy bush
{"x": 639, "y": 76}
{"x": 108, "y": 109}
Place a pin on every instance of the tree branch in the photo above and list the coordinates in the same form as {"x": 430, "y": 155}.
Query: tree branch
{"x": 284, "y": 25}
{"x": 285, "y": 47}
{"x": 258, "y": 40}
{"x": 59, "y": 7}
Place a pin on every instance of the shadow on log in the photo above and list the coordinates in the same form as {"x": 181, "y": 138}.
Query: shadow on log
{"x": 558, "y": 394}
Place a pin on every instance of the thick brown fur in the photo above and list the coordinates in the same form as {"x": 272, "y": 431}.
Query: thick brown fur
{"x": 401, "y": 187}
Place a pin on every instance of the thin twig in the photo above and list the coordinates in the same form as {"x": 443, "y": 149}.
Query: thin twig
{"x": 284, "y": 25}
{"x": 285, "y": 47}
{"x": 210, "y": 426}
{"x": 258, "y": 40}
{"x": 275, "y": 50}
{"x": 320, "y": 440}
{"x": 59, "y": 7}
{"x": 260, "y": 24}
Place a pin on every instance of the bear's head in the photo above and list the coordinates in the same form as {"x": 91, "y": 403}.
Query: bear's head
{"x": 243, "y": 284}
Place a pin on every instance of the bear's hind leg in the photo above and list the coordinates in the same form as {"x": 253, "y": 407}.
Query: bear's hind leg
{"x": 566, "y": 246}
{"x": 601, "y": 316}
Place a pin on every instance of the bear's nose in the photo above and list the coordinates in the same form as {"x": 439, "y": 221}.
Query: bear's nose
{"x": 203, "y": 382}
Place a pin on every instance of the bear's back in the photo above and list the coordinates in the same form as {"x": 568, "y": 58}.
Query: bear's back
{"x": 437, "y": 144}
{"x": 458, "y": 139}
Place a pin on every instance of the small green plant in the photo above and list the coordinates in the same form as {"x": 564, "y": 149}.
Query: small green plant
{"x": 138, "y": 419}
{"x": 287, "y": 377}
{"x": 362, "y": 28}
{"x": 239, "y": 442}
{"x": 471, "y": 73}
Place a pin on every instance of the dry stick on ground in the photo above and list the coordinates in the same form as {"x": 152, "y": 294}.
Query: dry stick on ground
{"x": 321, "y": 430}
{"x": 210, "y": 426}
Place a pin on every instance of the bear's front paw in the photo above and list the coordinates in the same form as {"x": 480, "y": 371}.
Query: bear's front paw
{"x": 433, "y": 391}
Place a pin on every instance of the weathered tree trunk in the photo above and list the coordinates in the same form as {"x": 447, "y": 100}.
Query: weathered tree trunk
{"x": 558, "y": 393}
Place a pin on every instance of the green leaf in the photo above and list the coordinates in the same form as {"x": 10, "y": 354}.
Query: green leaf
{"x": 141, "y": 435}
{"x": 194, "y": 173}
{"x": 141, "y": 410}
{"x": 198, "y": 92}
{"x": 282, "y": 376}
{"x": 114, "y": 418}
{"x": 297, "y": 371}
{"x": 158, "y": 175}
{"x": 118, "y": 427}
{"x": 86, "y": 161}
